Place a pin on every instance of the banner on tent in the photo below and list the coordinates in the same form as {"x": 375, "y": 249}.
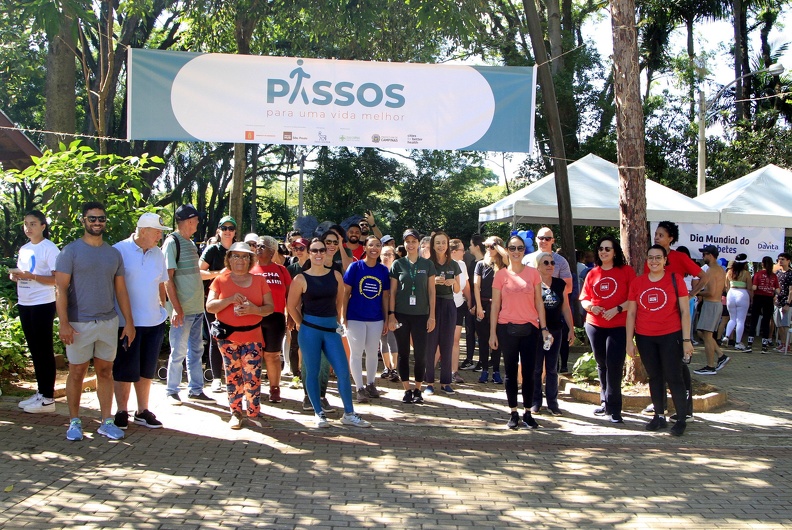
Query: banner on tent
{"x": 731, "y": 240}
{"x": 285, "y": 100}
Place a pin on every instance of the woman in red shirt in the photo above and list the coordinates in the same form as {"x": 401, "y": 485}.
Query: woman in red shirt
{"x": 517, "y": 316}
{"x": 239, "y": 300}
{"x": 604, "y": 298}
{"x": 765, "y": 287}
{"x": 658, "y": 316}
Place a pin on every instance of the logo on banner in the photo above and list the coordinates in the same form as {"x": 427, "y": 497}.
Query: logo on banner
{"x": 342, "y": 94}
{"x": 375, "y": 138}
{"x": 322, "y": 137}
{"x": 250, "y": 135}
{"x": 287, "y": 136}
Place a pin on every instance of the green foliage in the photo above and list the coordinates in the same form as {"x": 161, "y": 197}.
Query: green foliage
{"x": 585, "y": 368}
{"x": 77, "y": 174}
{"x": 12, "y": 339}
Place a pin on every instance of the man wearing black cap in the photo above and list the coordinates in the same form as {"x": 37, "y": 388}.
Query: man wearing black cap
{"x": 186, "y": 296}
{"x": 711, "y": 311}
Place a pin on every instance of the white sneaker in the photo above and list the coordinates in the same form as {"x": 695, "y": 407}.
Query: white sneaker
{"x": 41, "y": 406}
{"x": 35, "y": 398}
{"x": 217, "y": 385}
{"x": 354, "y": 419}
{"x": 321, "y": 420}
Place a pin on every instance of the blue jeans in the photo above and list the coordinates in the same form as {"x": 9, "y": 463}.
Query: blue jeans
{"x": 186, "y": 341}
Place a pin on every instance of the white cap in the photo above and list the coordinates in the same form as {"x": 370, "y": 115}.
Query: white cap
{"x": 151, "y": 220}
{"x": 251, "y": 237}
{"x": 386, "y": 238}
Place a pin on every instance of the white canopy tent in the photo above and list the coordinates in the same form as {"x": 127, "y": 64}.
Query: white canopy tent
{"x": 594, "y": 191}
{"x": 762, "y": 198}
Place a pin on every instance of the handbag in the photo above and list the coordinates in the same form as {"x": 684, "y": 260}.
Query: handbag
{"x": 519, "y": 330}
{"x": 221, "y": 331}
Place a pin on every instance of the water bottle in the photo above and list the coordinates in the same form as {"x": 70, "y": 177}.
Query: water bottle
{"x": 548, "y": 342}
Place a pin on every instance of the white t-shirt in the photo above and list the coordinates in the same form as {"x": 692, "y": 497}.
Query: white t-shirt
{"x": 143, "y": 274}
{"x": 463, "y": 279}
{"x": 40, "y": 260}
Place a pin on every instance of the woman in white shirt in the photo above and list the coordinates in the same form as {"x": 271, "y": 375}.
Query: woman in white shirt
{"x": 34, "y": 276}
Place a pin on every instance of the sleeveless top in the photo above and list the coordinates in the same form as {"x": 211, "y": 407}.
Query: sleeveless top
{"x": 319, "y": 298}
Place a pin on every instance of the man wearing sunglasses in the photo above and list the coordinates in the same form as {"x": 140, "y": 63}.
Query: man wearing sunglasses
{"x": 89, "y": 275}
{"x": 544, "y": 242}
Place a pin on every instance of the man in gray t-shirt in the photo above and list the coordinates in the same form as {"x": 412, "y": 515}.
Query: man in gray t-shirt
{"x": 89, "y": 275}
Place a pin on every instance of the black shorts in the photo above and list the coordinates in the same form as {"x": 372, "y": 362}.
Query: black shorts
{"x": 273, "y": 327}
{"x": 462, "y": 311}
{"x": 140, "y": 359}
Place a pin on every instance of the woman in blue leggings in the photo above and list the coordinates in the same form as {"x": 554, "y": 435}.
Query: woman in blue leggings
{"x": 315, "y": 300}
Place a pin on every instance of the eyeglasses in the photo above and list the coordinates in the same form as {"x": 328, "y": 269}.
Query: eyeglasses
{"x": 226, "y": 228}
{"x": 490, "y": 247}
{"x": 298, "y": 248}
{"x": 96, "y": 218}
{"x": 605, "y": 249}
{"x": 264, "y": 246}
{"x": 238, "y": 256}
{"x": 655, "y": 258}
{"x": 331, "y": 242}
{"x": 318, "y": 250}
{"x": 513, "y": 248}
{"x": 545, "y": 238}
{"x": 545, "y": 262}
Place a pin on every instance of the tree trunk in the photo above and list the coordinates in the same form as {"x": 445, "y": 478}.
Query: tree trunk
{"x": 629, "y": 137}
{"x": 554, "y": 127}
{"x": 739, "y": 106}
{"x": 61, "y": 107}
{"x": 554, "y": 36}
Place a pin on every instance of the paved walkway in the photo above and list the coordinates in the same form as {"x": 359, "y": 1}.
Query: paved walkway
{"x": 450, "y": 463}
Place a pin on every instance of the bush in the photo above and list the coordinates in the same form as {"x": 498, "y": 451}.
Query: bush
{"x": 585, "y": 368}
{"x": 13, "y": 347}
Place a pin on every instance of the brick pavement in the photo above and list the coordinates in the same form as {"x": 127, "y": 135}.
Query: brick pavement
{"x": 448, "y": 464}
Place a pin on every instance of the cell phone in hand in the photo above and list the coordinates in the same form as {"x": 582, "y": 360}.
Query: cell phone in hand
{"x": 125, "y": 343}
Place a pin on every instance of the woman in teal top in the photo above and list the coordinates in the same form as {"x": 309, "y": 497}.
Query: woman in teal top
{"x": 738, "y": 299}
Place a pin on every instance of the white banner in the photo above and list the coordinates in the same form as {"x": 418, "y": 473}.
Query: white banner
{"x": 731, "y": 240}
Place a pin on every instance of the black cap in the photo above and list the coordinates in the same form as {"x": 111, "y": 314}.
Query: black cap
{"x": 712, "y": 250}
{"x": 411, "y": 232}
{"x": 186, "y": 211}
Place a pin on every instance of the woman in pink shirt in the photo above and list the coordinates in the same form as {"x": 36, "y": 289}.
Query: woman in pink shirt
{"x": 517, "y": 325}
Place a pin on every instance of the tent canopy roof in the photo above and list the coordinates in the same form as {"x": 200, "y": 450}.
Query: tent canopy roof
{"x": 594, "y": 193}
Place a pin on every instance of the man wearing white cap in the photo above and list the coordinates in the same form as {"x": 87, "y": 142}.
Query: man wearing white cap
{"x": 136, "y": 362}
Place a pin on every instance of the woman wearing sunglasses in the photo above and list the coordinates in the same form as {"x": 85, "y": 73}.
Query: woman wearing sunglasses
{"x": 483, "y": 275}
{"x": 604, "y": 298}
{"x": 316, "y": 301}
{"x": 557, "y": 311}
{"x": 658, "y": 317}
{"x": 517, "y": 325}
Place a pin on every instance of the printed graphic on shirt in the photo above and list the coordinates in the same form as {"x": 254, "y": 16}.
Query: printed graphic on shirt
{"x": 606, "y": 287}
{"x": 370, "y": 287}
{"x": 551, "y": 300}
{"x": 272, "y": 277}
{"x": 653, "y": 299}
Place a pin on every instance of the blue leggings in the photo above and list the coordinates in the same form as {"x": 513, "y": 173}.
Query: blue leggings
{"x": 312, "y": 342}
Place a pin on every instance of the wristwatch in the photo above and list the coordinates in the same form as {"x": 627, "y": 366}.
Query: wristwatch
{"x": 619, "y": 309}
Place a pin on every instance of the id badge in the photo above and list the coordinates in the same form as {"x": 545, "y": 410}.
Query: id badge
{"x": 413, "y": 300}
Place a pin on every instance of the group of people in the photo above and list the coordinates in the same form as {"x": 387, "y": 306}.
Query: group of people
{"x": 346, "y": 296}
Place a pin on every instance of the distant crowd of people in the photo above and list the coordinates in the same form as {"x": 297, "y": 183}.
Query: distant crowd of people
{"x": 340, "y": 299}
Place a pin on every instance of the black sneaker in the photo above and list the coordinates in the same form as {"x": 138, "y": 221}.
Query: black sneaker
{"x": 675, "y": 417}
{"x": 408, "y": 396}
{"x": 555, "y": 411}
{"x": 678, "y": 429}
{"x": 417, "y": 396}
{"x": 514, "y": 420}
{"x": 385, "y": 373}
{"x": 174, "y": 399}
{"x": 723, "y": 360}
{"x": 201, "y": 398}
{"x": 657, "y": 423}
{"x": 467, "y": 365}
{"x": 478, "y": 367}
{"x": 326, "y": 406}
{"x": 147, "y": 419}
{"x": 394, "y": 376}
{"x": 529, "y": 421}
{"x": 307, "y": 403}
{"x": 616, "y": 418}
{"x": 706, "y": 370}
{"x": 121, "y": 419}
{"x": 601, "y": 410}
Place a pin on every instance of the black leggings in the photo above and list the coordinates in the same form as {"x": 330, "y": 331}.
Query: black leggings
{"x": 483, "y": 333}
{"x": 411, "y": 326}
{"x": 610, "y": 350}
{"x": 662, "y": 358}
{"x": 37, "y": 326}
{"x": 762, "y": 307}
{"x": 522, "y": 351}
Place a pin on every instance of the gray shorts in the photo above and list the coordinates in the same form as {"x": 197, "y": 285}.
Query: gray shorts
{"x": 781, "y": 318}
{"x": 97, "y": 338}
{"x": 710, "y": 316}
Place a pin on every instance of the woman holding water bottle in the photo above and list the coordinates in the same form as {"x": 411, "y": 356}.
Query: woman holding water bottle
{"x": 556, "y": 312}
{"x": 239, "y": 300}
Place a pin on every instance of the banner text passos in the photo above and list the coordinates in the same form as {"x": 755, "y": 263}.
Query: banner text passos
{"x": 233, "y": 98}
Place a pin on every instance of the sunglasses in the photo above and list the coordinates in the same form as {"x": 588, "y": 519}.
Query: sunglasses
{"x": 318, "y": 250}
{"x": 545, "y": 238}
{"x": 605, "y": 249}
{"x": 298, "y": 248}
{"x": 512, "y": 248}
{"x": 331, "y": 242}
{"x": 490, "y": 247}
{"x": 227, "y": 228}
{"x": 545, "y": 262}
{"x": 260, "y": 246}
{"x": 96, "y": 218}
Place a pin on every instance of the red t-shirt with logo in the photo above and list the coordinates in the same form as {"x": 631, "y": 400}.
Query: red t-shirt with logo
{"x": 607, "y": 289}
{"x": 358, "y": 252}
{"x": 766, "y": 284}
{"x": 658, "y": 308}
{"x": 278, "y": 279}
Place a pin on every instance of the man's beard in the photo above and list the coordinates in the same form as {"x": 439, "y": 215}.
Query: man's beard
{"x": 354, "y": 239}
{"x": 95, "y": 231}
